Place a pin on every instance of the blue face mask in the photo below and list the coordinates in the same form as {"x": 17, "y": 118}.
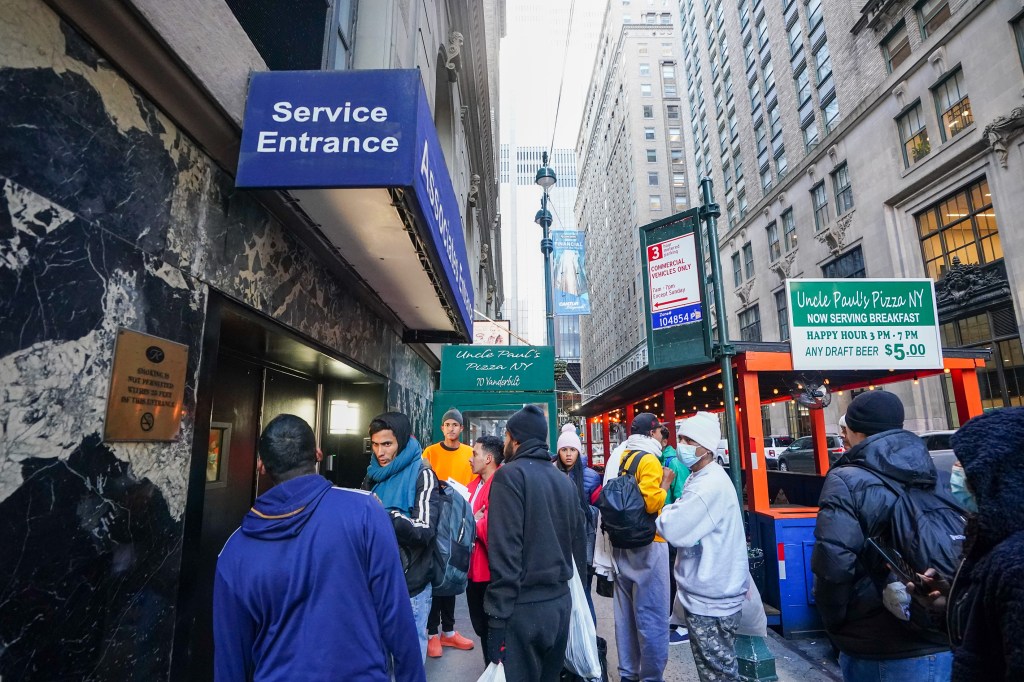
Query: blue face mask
{"x": 961, "y": 493}
{"x": 687, "y": 455}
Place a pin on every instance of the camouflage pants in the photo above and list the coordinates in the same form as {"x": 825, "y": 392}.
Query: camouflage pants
{"x": 713, "y": 643}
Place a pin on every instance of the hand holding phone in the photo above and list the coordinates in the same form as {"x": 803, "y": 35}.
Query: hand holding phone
{"x": 898, "y": 565}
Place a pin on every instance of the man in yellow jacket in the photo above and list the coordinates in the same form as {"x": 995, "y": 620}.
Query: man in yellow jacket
{"x": 642, "y": 574}
{"x": 450, "y": 459}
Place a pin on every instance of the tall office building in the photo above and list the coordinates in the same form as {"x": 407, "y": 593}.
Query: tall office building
{"x": 634, "y": 169}
{"x": 880, "y": 140}
{"x": 540, "y": 111}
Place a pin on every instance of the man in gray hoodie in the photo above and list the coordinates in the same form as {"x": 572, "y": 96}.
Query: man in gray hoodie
{"x": 706, "y": 527}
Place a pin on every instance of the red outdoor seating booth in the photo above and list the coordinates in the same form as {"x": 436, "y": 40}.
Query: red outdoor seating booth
{"x": 782, "y": 525}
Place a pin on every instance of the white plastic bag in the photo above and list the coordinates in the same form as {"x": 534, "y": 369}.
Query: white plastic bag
{"x": 581, "y": 650}
{"x": 495, "y": 672}
{"x": 753, "y": 619}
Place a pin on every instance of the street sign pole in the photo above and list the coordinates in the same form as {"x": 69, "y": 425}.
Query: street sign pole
{"x": 725, "y": 352}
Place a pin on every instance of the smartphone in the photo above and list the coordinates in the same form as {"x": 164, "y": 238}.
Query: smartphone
{"x": 896, "y": 562}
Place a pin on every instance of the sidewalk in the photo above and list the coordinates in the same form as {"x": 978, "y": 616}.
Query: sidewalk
{"x": 796, "y": 661}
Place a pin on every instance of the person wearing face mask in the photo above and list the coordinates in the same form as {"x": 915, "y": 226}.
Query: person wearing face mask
{"x": 706, "y": 527}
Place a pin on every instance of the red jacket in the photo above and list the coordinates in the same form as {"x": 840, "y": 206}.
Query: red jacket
{"x": 479, "y": 570}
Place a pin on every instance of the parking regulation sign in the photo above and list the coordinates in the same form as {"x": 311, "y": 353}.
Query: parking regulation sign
{"x": 673, "y": 282}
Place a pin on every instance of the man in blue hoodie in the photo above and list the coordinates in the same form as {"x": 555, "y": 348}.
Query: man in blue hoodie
{"x": 312, "y": 587}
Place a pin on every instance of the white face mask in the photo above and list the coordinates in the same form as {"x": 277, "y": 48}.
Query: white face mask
{"x": 688, "y": 455}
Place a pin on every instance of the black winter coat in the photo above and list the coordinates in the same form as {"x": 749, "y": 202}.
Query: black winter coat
{"x": 987, "y": 601}
{"x": 534, "y": 532}
{"x": 849, "y": 577}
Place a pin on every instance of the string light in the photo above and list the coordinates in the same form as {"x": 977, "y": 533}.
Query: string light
{"x": 689, "y": 394}
{"x": 704, "y": 388}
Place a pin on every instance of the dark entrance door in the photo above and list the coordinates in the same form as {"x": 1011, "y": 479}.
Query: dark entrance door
{"x": 236, "y": 413}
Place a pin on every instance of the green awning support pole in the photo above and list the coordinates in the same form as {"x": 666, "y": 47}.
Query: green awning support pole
{"x": 723, "y": 350}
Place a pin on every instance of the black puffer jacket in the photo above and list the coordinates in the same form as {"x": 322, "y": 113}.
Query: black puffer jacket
{"x": 849, "y": 577}
{"x": 987, "y": 602}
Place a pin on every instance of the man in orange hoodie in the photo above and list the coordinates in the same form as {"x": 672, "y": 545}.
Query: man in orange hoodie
{"x": 487, "y": 457}
{"x": 449, "y": 459}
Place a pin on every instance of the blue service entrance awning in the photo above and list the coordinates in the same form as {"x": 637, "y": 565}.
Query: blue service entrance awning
{"x": 359, "y": 153}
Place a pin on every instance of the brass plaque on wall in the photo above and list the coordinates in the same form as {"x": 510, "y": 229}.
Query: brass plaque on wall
{"x": 147, "y": 388}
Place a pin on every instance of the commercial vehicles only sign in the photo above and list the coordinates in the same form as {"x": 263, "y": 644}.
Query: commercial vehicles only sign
{"x": 673, "y": 281}
{"x": 863, "y": 324}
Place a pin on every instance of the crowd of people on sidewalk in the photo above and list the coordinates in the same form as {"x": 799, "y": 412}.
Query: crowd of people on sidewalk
{"x": 913, "y": 580}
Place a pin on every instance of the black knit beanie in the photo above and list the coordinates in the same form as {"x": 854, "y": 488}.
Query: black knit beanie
{"x": 873, "y": 412}
{"x": 528, "y": 423}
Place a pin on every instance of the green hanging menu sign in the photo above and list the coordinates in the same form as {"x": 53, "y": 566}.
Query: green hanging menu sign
{"x": 498, "y": 368}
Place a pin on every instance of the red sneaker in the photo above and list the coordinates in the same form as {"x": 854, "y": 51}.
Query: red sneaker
{"x": 434, "y": 646}
{"x": 456, "y": 640}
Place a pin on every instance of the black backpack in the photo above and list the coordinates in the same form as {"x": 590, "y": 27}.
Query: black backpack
{"x": 623, "y": 509}
{"x": 928, "y": 529}
{"x": 453, "y": 544}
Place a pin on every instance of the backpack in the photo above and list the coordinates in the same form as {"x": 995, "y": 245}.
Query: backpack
{"x": 624, "y": 514}
{"x": 928, "y": 530}
{"x": 453, "y": 544}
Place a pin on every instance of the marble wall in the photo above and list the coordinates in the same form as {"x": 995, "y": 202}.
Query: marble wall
{"x": 110, "y": 217}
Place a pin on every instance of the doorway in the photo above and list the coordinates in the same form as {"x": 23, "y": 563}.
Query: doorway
{"x": 262, "y": 370}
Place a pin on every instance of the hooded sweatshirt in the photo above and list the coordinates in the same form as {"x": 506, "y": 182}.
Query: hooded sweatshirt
{"x": 987, "y": 600}
{"x": 706, "y": 526}
{"x": 309, "y": 557}
{"x": 534, "y": 534}
{"x": 848, "y": 576}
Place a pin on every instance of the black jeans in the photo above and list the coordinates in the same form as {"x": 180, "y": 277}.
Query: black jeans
{"x": 535, "y": 640}
{"x": 475, "y": 598}
{"x": 442, "y": 612}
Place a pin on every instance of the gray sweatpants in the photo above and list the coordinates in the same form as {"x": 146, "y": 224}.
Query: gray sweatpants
{"x": 641, "y": 619}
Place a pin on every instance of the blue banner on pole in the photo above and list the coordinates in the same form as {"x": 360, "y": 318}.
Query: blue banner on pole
{"x": 569, "y": 279}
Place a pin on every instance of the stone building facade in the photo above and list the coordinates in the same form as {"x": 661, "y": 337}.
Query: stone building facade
{"x": 118, "y": 209}
{"x": 635, "y": 167}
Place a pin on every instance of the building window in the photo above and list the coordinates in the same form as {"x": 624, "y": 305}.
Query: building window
{"x": 781, "y": 165}
{"x": 679, "y": 180}
{"x": 648, "y": 111}
{"x": 849, "y": 265}
{"x": 1018, "y": 32}
{"x": 782, "y": 309}
{"x": 913, "y": 135}
{"x": 737, "y": 270}
{"x": 823, "y": 66}
{"x": 769, "y": 78}
{"x": 669, "y": 90}
{"x": 648, "y": 133}
{"x": 811, "y": 135}
{"x": 788, "y": 230}
{"x": 748, "y": 260}
{"x": 750, "y": 324}
{"x": 962, "y": 226}
{"x": 830, "y": 112}
{"x": 814, "y": 14}
{"x": 668, "y": 71}
{"x": 819, "y": 202}
{"x": 666, "y": 18}
{"x": 676, "y": 155}
{"x": 843, "y": 189}
{"x": 1001, "y": 381}
{"x": 645, "y": 69}
{"x": 675, "y": 134}
{"x": 775, "y": 120}
{"x": 953, "y": 105}
{"x": 655, "y": 202}
{"x": 931, "y": 14}
{"x": 672, "y": 111}
{"x": 896, "y": 47}
{"x": 652, "y": 155}
{"x": 766, "y": 179}
{"x": 652, "y": 178}
{"x": 678, "y": 202}
{"x": 803, "y": 86}
{"x": 774, "y": 246}
{"x": 645, "y": 89}
{"x": 795, "y": 38}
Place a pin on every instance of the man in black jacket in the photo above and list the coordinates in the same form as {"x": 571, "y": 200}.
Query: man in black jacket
{"x": 855, "y": 505}
{"x": 534, "y": 534}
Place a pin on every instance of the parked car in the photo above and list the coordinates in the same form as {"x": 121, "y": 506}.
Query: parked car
{"x": 773, "y": 446}
{"x": 799, "y": 456}
{"x": 940, "y": 449}
{"x": 722, "y": 453}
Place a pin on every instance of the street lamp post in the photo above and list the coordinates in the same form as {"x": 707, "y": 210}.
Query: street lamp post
{"x": 546, "y": 179}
